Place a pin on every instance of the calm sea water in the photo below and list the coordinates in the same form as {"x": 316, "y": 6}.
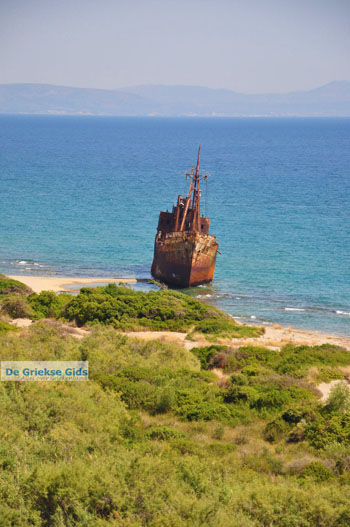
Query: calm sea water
{"x": 81, "y": 196}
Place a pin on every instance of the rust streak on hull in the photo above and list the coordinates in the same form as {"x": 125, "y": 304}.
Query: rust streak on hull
{"x": 185, "y": 259}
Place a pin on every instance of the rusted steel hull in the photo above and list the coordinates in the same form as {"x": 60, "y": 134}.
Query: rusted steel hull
{"x": 184, "y": 259}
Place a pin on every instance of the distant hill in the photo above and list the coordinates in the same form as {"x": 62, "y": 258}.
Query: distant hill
{"x": 333, "y": 99}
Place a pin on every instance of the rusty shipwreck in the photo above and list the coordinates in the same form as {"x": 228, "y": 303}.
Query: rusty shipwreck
{"x": 184, "y": 251}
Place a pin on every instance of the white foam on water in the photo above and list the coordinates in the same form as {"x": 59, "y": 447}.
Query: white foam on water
{"x": 237, "y": 297}
{"x": 253, "y": 317}
{"x": 294, "y": 309}
{"x": 208, "y": 296}
{"x": 340, "y": 312}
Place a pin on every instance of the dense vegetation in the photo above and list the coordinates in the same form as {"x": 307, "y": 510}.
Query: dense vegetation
{"x": 221, "y": 435}
{"x": 155, "y": 439}
{"x": 126, "y": 309}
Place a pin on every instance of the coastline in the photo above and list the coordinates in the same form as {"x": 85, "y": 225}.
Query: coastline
{"x": 56, "y": 284}
{"x": 274, "y": 337}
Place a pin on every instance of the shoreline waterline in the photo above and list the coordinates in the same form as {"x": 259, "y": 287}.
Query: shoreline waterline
{"x": 273, "y": 331}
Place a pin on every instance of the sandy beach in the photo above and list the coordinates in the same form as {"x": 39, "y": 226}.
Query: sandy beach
{"x": 58, "y": 284}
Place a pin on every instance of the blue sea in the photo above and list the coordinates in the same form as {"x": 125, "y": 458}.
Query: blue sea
{"x": 80, "y": 196}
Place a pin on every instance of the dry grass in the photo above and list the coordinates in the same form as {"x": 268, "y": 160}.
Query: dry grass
{"x": 346, "y": 371}
{"x": 296, "y": 465}
{"x": 223, "y": 378}
{"x": 312, "y": 374}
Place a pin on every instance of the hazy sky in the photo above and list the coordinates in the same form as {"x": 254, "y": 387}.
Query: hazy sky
{"x": 246, "y": 45}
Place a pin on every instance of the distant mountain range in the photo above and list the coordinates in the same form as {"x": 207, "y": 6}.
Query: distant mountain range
{"x": 333, "y": 99}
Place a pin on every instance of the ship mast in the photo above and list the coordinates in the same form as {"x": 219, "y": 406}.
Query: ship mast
{"x": 194, "y": 195}
{"x": 196, "y": 203}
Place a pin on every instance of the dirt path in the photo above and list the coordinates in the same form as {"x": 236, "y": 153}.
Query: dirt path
{"x": 273, "y": 338}
{"x": 326, "y": 387}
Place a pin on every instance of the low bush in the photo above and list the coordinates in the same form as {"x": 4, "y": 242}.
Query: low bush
{"x": 238, "y": 394}
{"x": 220, "y": 449}
{"x": 339, "y": 399}
{"x": 163, "y": 433}
{"x": 226, "y": 327}
{"x": 135, "y": 394}
{"x": 275, "y": 430}
{"x": 47, "y": 304}
{"x": 250, "y": 356}
{"x": 120, "y": 306}
{"x": 239, "y": 379}
{"x": 16, "y": 306}
{"x": 126, "y": 309}
{"x": 206, "y": 353}
{"x": 294, "y": 415}
{"x": 328, "y": 429}
{"x": 328, "y": 374}
{"x": 296, "y": 360}
{"x": 5, "y": 327}
{"x": 317, "y": 471}
{"x": 10, "y": 287}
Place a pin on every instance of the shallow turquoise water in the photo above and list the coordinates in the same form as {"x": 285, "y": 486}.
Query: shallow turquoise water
{"x": 81, "y": 196}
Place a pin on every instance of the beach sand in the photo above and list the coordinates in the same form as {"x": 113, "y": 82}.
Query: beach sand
{"x": 57, "y": 284}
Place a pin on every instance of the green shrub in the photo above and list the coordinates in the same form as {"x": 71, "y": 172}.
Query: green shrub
{"x": 339, "y": 399}
{"x": 220, "y": 449}
{"x": 239, "y": 379}
{"x": 253, "y": 370}
{"x": 135, "y": 394}
{"x": 275, "y": 430}
{"x": 294, "y": 415}
{"x": 10, "y": 287}
{"x": 193, "y": 406}
{"x": 328, "y": 429}
{"x": 165, "y": 400}
{"x": 328, "y": 374}
{"x": 296, "y": 360}
{"x": 271, "y": 398}
{"x": 206, "y": 353}
{"x": 121, "y": 306}
{"x": 47, "y": 304}
{"x": 127, "y": 309}
{"x": 5, "y": 327}
{"x": 241, "y": 394}
{"x": 254, "y": 355}
{"x": 226, "y": 327}
{"x": 163, "y": 433}
{"x": 317, "y": 471}
{"x": 17, "y": 306}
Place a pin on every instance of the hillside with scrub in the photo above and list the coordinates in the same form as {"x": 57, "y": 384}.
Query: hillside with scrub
{"x": 164, "y": 433}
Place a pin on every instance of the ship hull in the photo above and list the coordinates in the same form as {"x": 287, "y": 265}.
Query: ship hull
{"x": 184, "y": 259}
